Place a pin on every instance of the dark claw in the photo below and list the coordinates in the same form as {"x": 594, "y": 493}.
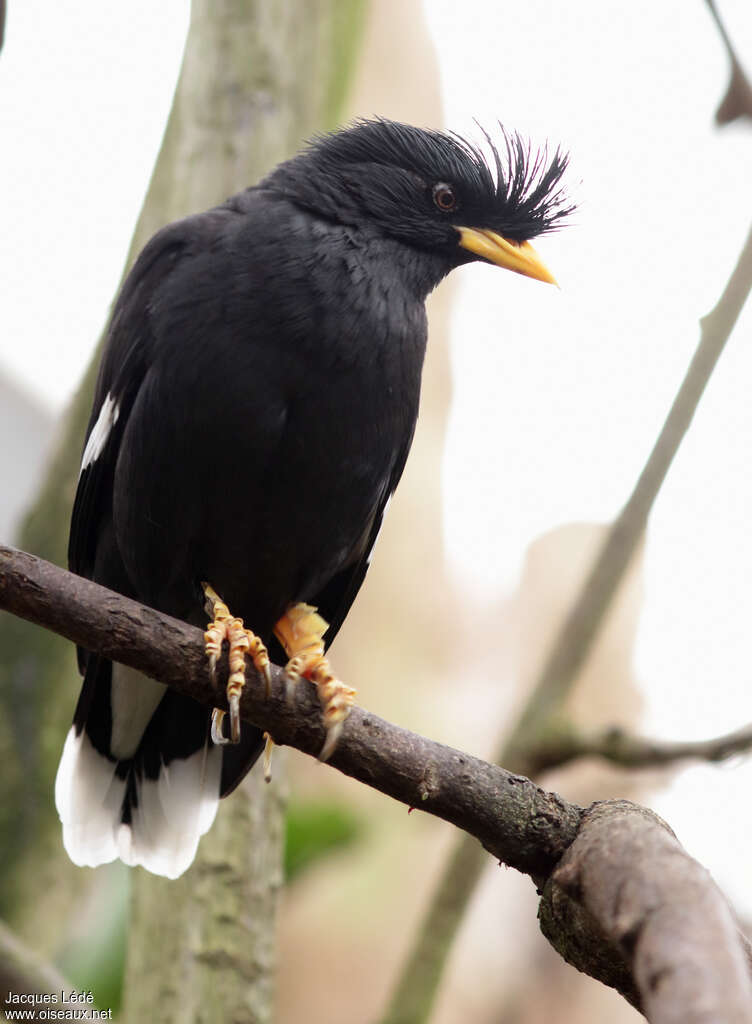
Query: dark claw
{"x": 291, "y": 683}
{"x": 267, "y": 677}
{"x": 234, "y": 702}
{"x": 216, "y": 727}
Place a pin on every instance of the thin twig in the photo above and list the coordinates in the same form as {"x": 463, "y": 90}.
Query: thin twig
{"x": 737, "y": 101}
{"x": 619, "y": 747}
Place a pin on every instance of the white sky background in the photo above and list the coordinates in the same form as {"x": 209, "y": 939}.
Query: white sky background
{"x": 569, "y": 387}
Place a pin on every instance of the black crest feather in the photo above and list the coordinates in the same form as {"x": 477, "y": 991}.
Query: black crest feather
{"x": 527, "y": 182}
{"x": 519, "y": 187}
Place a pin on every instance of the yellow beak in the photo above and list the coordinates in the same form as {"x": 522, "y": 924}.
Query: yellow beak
{"x": 519, "y": 257}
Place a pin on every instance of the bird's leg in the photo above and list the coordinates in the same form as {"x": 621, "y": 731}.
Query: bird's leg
{"x": 240, "y": 641}
{"x": 301, "y": 631}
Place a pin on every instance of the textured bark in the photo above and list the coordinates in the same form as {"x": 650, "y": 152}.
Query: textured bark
{"x": 202, "y": 947}
{"x": 622, "y": 900}
{"x": 627, "y": 876}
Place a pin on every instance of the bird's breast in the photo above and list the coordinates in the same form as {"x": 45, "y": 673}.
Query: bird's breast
{"x": 292, "y": 402}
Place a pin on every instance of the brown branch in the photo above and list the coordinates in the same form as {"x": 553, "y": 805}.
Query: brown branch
{"x": 627, "y": 872}
{"x": 588, "y": 871}
{"x": 516, "y": 821}
{"x": 566, "y": 744}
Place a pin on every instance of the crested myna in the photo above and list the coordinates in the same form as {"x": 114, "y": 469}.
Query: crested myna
{"x": 256, "y": 401}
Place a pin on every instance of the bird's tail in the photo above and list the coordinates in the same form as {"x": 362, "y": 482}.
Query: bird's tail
{"x": 139, "y": 777}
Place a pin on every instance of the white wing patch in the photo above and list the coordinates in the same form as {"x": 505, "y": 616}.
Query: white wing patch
{"x": 108, "y": 417}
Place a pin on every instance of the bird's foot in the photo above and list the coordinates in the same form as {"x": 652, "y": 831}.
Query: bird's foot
{"x": 301, "y": 631}
{"x": 240, "y": 642}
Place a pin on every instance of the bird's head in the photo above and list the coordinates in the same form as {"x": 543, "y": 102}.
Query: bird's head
{"x": 435, "y": 191}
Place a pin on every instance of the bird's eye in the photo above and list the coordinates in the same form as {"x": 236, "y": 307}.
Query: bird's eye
{"x": 444, "y": 197}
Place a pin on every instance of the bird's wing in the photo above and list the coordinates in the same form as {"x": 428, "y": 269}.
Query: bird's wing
{"x": 136, "y": 755}
{"x": 335, "y": 599}
{"x": 124, "y": 365}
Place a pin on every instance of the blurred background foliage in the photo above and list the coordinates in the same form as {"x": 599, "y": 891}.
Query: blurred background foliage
{"x": 315, "y": 829}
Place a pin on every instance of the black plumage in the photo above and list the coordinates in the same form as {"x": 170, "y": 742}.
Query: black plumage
{"x": 255, "y": 406}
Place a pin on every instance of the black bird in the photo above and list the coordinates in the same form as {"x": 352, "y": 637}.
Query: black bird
{"x": 255, "y": 405}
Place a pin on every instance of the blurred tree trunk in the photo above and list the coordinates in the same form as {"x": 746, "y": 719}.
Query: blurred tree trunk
{"x": 258, "y": 77}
